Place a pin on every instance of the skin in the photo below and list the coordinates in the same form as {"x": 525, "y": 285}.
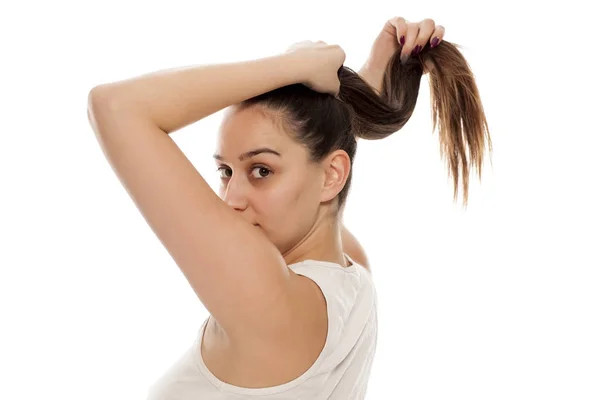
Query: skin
{"x": 292, "y": 200}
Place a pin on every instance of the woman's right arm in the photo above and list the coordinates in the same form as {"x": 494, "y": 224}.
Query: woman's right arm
{"x": 174, "y": 98}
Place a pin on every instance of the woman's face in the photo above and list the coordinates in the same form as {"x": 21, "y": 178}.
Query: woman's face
{"x": 275, "y": 188}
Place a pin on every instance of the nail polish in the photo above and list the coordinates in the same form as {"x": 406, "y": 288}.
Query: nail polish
{"x": 435, "y": 42}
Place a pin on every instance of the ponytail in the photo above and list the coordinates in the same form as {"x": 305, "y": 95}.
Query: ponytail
{"x": 456, "y": 106}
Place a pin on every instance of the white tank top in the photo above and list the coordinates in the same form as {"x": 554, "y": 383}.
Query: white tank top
{"x": 341, "y": 370}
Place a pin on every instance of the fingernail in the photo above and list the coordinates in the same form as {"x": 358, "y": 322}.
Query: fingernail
{"x": 402, "y": 40}
{"x": 435, "y": 42}
{"x": 404, "y": 58}
{"x": 416, "y": 50}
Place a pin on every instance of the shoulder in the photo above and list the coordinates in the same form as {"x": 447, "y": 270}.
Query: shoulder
{"x": 272, "y": 358}
{"x": 354, "y": 249}
{"x": 303, "y": 333}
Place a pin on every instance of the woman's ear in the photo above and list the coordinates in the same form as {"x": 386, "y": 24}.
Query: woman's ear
{"x": 337, "y": 168}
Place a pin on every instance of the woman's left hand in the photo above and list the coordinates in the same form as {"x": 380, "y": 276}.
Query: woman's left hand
{"x": 397, "y": 33}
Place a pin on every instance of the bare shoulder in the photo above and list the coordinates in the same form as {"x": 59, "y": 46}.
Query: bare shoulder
{"x": 353, "y": 248}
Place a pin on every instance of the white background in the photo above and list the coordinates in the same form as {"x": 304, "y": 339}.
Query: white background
{"x": 498, "y": 301}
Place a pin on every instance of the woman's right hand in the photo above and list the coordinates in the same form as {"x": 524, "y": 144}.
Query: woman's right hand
{"x": 398, "y": 33}
{"x": 322, "y": 62}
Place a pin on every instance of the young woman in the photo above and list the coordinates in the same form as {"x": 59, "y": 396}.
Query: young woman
{"x": 293, "y": 309}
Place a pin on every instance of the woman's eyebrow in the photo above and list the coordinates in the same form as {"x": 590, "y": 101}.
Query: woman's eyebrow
{"x": 251, "y": 153}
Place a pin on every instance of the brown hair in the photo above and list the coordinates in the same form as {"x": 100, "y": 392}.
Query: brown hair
{"x": 322, "y": 123}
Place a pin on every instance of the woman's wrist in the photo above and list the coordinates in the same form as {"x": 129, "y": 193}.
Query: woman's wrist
{"x": 296, "y": 65}
{"x": 373, "y": 76}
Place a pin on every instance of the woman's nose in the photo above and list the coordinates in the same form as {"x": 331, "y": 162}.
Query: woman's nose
{"x": 235, "y": 195}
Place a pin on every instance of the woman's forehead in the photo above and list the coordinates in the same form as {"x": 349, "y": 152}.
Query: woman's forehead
{"x": 251, "y": 125}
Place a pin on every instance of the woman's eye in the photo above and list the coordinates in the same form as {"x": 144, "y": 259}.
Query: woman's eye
{"x": 263, "y": 172}
{"x": 220, "y": 169}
